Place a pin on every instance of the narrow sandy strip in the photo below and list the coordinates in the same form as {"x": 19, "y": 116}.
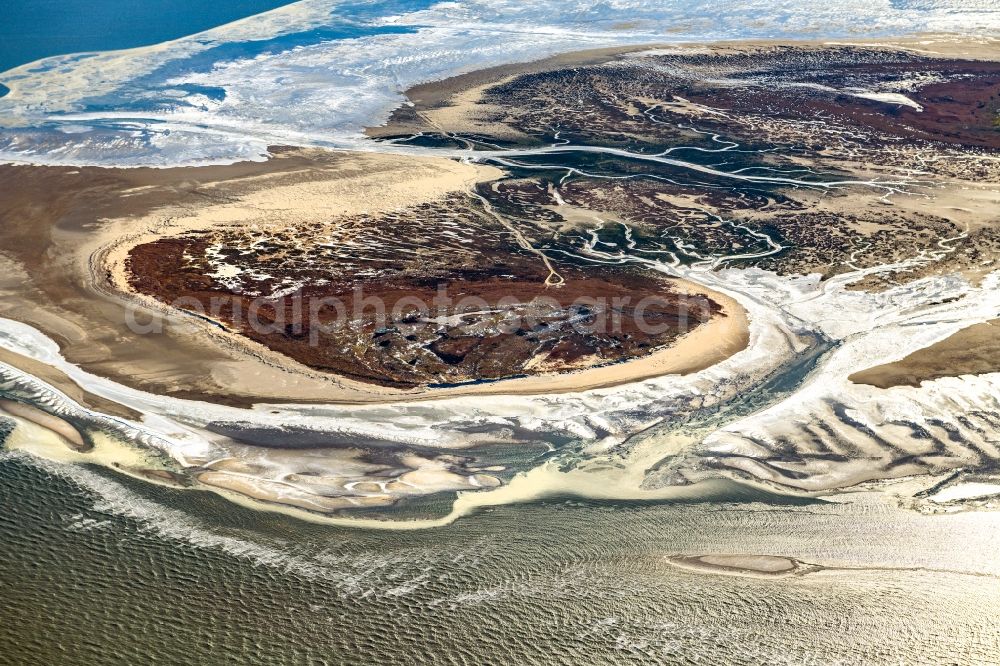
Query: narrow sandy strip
{"x": 751, "y": 566}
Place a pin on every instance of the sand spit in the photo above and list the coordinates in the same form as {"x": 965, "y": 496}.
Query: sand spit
{"x": 455, "y": 103}
{"x": 44, "y": 420}
{"x": 64, "y": 383}
{"x": 972, "y": 351}
{"x": 752, "y": 566}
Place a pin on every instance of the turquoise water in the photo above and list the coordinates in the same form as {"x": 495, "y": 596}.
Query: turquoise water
{"x": 34, "y": 29}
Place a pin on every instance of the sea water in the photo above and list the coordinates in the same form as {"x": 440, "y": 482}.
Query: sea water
{"x": 102, "y": 570}
{"x": 35, "y": 29}
{"x": 316, "y": 72}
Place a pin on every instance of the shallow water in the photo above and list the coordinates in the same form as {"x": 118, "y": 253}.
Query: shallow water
{"x": 316, "y": 72}
{"x": 101, "y": 570}
{"x": 42, "y": 28}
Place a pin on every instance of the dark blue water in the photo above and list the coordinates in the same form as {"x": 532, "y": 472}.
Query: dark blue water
{"x": 33, "y": 29}
{"x": 134, "y": 96}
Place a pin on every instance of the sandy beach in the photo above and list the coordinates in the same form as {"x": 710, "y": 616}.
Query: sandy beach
{"x": 484, "y": 331}
{"x": 455, "y": 103}
{"x": 972, "y": 351}
{"x": 87, "y": 232}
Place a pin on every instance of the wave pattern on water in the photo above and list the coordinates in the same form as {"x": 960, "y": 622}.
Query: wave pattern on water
{"x": 540, "y": 585}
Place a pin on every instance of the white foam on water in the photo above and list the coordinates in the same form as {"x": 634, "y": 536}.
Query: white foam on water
{"x": 871, "y": 329}
{"x": 323, "y": 93}
{"x": 366, "y": 574}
